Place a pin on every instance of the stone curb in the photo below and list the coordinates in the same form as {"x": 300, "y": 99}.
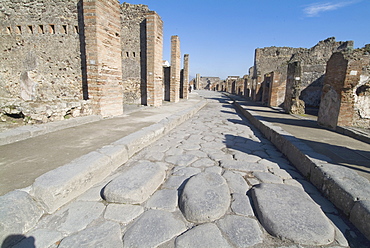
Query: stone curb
{"x": 55, "y": 188}
{"x": 343, "y": 187}
{"x": 25, "y": 132}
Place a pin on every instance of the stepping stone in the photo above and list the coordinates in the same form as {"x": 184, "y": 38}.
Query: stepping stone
{"x": 18, "y": 214}
{"x": 152, "y": 229}
{"x": 107, "y": 234}
{"x": 242, "y": 166}
{"x": 136, "y": 184}
{"x": 122, "y": 213}
{"x": 205, "y": 198}
{"x": 206, "y": 235}
{"x": 241, "y": 231}
{"x": 293, "y": 214}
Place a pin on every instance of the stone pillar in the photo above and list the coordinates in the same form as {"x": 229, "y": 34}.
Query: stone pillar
{"x": 175, "y": 69}
{"x": 185, "y": 85}
{"x": 154, "y": 55}
{"x": 103, "y": 56}
{"x": 197, "y": 81}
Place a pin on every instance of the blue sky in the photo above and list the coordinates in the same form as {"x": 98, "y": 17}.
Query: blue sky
{"x": 221, "y": 36}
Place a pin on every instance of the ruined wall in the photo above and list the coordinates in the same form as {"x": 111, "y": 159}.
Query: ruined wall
{"x": 277, "y": 87}
{"x": 133, "y": 42}
{"x": 185, "y": 78}
{"x": 207, "y": 82}
{"x": 305, "y": 82}
{"x": 40, "y": 68}
{"x": 345, "y": 100}
{"x": 175, "y": 69}
{"x": 267, "y": 60}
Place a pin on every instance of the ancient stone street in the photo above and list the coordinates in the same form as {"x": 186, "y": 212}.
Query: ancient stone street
{"x": 213, "y": 181}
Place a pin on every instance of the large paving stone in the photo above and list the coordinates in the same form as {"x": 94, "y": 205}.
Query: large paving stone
{"x": 206, "y": 235}
{"x": 73, "y": 217}
{"x": 241, "y": 231}
{"x": 107, "y": 234}
{"x": 40, "y": 238}
{"x": 293, "y": 215}
{"x": 152, "y": 229}
{"x": 205, "y": 198}
{"x": 122, "y": 213}
{"x": 165, "y": 199}
{"x": 236, "y": 182}
{"x": 18, "y": 214}
{"x": 136, "y": 184}
{"x": 242, "y": 166}
{"x": 241, "y": 205}
{"x": 181, "y": 160}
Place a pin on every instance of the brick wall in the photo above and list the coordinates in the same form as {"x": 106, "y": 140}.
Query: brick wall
{"x": 154, "y": 49}
{"x": 175, "y": 69}
{"x": 103, "y": 55}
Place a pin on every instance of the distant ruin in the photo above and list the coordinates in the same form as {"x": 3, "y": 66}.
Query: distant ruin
{"x": 62, "y": 59}
{"x": 330, "y": 80}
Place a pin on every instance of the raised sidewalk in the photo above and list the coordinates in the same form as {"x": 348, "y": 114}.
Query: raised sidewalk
{"x": 338, "y": 165}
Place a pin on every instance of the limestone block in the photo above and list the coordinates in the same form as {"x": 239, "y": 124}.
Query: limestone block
{"x": 150, "y": 231}
{"x": 203, "y": 235}
{"x": 360, "y": 217}
{"x": 57, "y": 187}
{"x": 241, "y": 231}
{"x": 205, "y": 198}
{"x": 136, "y": 184}
{"x": 18, "y": 214}
{"x": 123, "y": 213}
{"x": 107, "y": 234}
{"x": 293, "y": 216}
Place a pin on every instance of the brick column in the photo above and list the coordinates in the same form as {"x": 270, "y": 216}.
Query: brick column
{"x": 185, "y": 94}
{"x": 103, "y": 56}
{"x": 154, "y": 54}
{"x": 175, "y": 69}
{"x": 197, "y": 81}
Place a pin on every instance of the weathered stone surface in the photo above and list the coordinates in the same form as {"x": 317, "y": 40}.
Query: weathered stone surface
{"x": 205, "y": 198}
{"x": 241, "y": 205}
{"x": 360, "y": 216}
{"x": 266, "y": 177}
{"x": 165, "y": 199}
{"x": 122, "y": 213}
{"x": 181, "y": 160}
{"x": 153, "y": 228}
{"x": 107, "y": 234}
{"x": 242, "y": 166}
{"x": 40, "y": 238}
{"x": 241, "y": 156}
{"x": 18, "y": 214}
{"x": 73, "y": 217}
{"x": 236, "y": 182}
{"x": 203, "y": 162}
{"x": 293, "y": 216}
{"x": 214, "y": 169}
{"x": 57, "y": 187}
{"x": 241, "y": 231}
{"x": 185, "y": 171}
{"x": 206, "y": 235}
{"x": 136, "y": 184}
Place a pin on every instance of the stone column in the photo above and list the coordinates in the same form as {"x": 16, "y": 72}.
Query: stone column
{"x": 185, "y": 86}
{"x": 103, "y": 56}
{"x": 175, "y": 69}
{"x": 197, "y": 81}
{"x": 154, "y": 54}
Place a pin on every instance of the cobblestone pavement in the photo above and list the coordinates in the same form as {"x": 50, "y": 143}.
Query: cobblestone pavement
{"x": 214, "y": 181}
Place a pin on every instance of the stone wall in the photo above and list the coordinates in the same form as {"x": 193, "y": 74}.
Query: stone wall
{"x": 306, "y": 74}
{"x": 175, "y": 69}
{"x": 267, "y": 60}
{"x": 346, "y": 93}
{"x": 185, "y": 78}
{"x": 207, "y": 82}
{"x": 277, "y": 87}
{"x": 40, "y": 68}
{"x": 133, "y": 41}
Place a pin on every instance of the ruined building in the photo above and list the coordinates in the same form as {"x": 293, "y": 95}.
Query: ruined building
{"x": 72, "y": 58}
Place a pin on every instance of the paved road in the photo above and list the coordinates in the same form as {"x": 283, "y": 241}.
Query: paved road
{"x": 214, "y": 181}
